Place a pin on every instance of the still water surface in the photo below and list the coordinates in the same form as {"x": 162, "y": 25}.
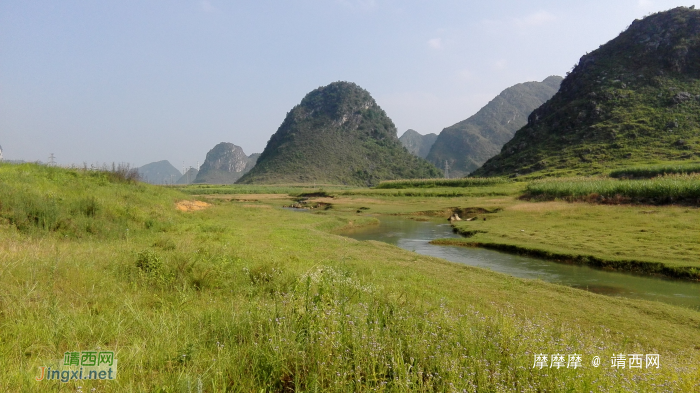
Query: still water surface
{"x": 415, "y": 236}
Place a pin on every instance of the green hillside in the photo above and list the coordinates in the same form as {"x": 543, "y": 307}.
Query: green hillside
{"x": 337, "y": 135}
{"x": 468, "y": 144}
{"x": 634, "y": 100}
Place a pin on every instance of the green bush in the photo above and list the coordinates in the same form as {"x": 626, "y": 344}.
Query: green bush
{"x": 149, "y": 262}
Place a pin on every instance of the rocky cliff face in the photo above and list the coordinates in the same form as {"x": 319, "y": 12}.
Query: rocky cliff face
{"x": 417, "y": 144}
{"x": 635, "y": 99}
{"x": 337, "y": 135}
{"x": 224, "y": 164}
{"x": 466, "y": 145}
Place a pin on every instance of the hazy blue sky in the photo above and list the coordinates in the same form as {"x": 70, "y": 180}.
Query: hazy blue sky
{"x": 147, "y": 80}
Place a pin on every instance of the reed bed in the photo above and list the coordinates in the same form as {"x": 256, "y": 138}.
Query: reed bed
{"x": 430, "y": 183}
{"x": 248, "y": 189}
{"x": 656, "y": 170}
{"x": 659, "y": 190}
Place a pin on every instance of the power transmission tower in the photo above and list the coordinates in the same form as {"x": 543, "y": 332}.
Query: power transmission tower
{"x": 52, "y": 160}
{"x": 447, "y": 170}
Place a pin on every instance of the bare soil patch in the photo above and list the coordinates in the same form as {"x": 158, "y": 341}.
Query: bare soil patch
{"x": 188, "y": 206}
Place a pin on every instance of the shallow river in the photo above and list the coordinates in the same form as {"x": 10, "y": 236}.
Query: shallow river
{"x": 415, "y": 236}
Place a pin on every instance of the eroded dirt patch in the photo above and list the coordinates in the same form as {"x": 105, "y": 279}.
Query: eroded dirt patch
{"x": 188, "y": 206}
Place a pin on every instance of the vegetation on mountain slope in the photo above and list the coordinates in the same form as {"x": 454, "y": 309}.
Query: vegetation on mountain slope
{"x": 337, "y": 135}
{"x": 634, "y": 100}
{"x": 469, "y": 143}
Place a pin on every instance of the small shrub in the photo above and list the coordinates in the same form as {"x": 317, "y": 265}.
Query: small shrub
{"x": 88, "y": 206}
{"x": 149, "y": 262}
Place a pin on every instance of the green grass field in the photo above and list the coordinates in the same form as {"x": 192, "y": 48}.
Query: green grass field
{"x": 244, "y": 297}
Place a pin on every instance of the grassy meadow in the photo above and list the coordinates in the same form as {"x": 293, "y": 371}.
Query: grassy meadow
{"x": 245, "y": 297}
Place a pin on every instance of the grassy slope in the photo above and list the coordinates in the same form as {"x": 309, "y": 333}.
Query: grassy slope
{"x": 258, "y": 298}
{"x": 76, "y": 203}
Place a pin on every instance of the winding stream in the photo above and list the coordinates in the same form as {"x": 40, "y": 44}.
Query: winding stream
{"x": 415, "y": 236}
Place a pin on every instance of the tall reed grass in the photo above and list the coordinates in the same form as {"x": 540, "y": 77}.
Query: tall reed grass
{"x": 656, "y": 170}
{"x": 660, "y": 190}
{"x": 431, "y": 183}
{"x": 219, "y": 189}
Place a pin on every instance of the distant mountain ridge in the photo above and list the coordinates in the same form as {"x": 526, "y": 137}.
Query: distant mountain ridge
{"x": 337, "y": 135}
{"x": 465, "y": 146}
{"x": 225, "y": 164}
{"x": 189, "y": 176}
{"x": 159, "y": 172}
{"x": 417, "y": 144}
{"x": 634, "y": 100}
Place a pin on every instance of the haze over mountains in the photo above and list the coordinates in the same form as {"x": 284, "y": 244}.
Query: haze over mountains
{"x": 634, "y": 100}
{"x": 160, "y": 172}
{"x": 189, "y": 176}
{"x": 465, "y": 146}
{"x": 417, "y": 144}
{"x": 337, "y": 135}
